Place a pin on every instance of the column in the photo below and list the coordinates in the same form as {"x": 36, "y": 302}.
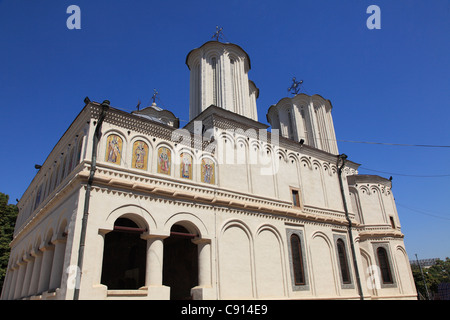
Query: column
{"x": 29, "y": 271}
{"x": 154, "y": 268}
{"x": 19, "y": 280}
{"x": 154, "y": 262}
{"x": 204, "y": 289}
{"x": 46, "y": 267}
{"x": 204, "y": 262}
{"x": 12, "y": 287}
{"x": 58, "y": 262}
{"x": 34, "y": 281}
{"x": 6, "y": 285}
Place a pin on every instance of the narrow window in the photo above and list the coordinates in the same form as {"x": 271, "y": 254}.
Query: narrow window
{"x": 392, "y": 222}
{"x": 343, "y": 261}
{"x": 384, "y": 265}
{"x": 295, "y": 198}
{"x": 297, "y": 260}
{"x": 214, "y": 78}
{"x": 233, "y": 84}
{"x": 291, "y": 126}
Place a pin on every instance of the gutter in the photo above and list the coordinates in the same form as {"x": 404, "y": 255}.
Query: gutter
{"x": 342, "y": 158}
{"x": 105, "y": 106}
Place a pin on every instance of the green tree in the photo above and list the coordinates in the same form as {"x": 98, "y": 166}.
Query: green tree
{"x": 8, "y": 215}
{"x": 434, "y": 275}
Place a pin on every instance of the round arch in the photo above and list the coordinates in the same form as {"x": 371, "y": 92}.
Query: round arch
{"x": 135, "y": 213}
{"x": 189, "y": 221}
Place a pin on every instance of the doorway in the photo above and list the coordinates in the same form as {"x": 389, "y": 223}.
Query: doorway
{"x": 180, "y": 263}
{"x": 124, "y": 256}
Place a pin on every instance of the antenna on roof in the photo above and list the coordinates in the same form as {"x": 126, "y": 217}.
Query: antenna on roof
{"x": 218, "y": 34}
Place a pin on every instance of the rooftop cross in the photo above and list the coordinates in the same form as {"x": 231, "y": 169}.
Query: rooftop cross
{"x": 155, "y": 93}
{"x": 218, "y": 34}
{"x": 295, "y": 87}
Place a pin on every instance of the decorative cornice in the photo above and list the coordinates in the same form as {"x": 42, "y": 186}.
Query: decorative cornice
{"x": 199, "y": 194}
{"x": 372, "y": 234}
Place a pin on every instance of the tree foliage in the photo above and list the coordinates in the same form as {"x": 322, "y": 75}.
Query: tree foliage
{"x": 434, "y": 275}
{"x": 8, "y": 215}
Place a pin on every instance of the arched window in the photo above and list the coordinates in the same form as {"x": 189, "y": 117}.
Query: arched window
{"x": 343, "y": 261}
{"x": 383, "y": 263}
{"x": 297, "y": 260}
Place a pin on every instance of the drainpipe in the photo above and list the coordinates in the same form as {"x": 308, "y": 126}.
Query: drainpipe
{"x": 96, "y": 138}
{"x": 342, "y": 158}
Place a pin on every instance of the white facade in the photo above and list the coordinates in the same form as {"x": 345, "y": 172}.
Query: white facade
{"x": 248, "y": 213}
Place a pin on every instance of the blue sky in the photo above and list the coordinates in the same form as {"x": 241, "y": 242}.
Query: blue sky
{"x": 389, "y": 85}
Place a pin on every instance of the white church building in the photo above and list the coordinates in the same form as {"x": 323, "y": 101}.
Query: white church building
{"x": 131, "y": 206}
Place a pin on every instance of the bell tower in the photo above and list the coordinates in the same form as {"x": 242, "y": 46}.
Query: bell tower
{"x": 219, "y": 76}
{"x": 306, "y": 118}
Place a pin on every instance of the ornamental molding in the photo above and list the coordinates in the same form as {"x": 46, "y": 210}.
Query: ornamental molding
{"x": 195, "y": 195}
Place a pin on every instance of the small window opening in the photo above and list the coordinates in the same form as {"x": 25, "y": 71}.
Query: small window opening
{"x": 295, "y": 198}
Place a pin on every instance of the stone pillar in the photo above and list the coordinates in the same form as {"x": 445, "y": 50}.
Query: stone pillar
{"x": 6, "y": 285}
{"x": 154, "y": 267}
{"x": 58, "y": 263}
{"x": 154, "y": 262}
{"x": 29, "y": 271}
{"x": 204, "y": 289}
{"x": 34, "y": 281}
{"x": 19, "y": 280}
{"x": 12, "y": 275}
{"x": 14, "y": 270}
{"x": 46, "y": 267}
{"x": 204, "y": 262}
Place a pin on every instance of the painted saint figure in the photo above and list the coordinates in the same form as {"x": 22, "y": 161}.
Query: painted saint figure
{"x": 114, "y": 149}
{"x": 140, "y": 155}
{"x": 208, "y": 171}
{"x": 186, "y": 166}
{"x": 164, "y": 159}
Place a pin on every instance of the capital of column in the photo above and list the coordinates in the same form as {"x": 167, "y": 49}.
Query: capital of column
{"x": 35, "y": 253}
{"x": 58, "y": 240}
{"x": 201, "y": 241}
{"x": 147, "y": 236}
{"x": 46, "y": 247}
{"x": 28, "y": 257}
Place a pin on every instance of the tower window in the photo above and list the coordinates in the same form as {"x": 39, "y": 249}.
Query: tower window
{"x": 383, "y": 262}
{"x": 214, "y": 78}
{"x": 291, "y": 126}
{"x": 392, "y": 222}
{"x": 295, "y": 198}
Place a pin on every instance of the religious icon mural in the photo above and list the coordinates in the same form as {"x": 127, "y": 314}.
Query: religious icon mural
{"x": 186, "y": 165}
{"x": 113, "y": 149}
{"x": 164, "y": 160}
{"x": 208, "y": 171}
{"x": 140, "y": 155}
